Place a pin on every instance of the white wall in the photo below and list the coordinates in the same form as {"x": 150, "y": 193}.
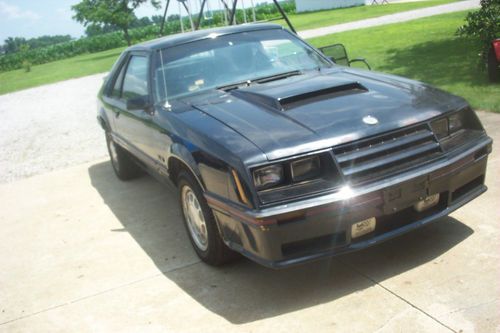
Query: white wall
{"x": 310, "y": 5}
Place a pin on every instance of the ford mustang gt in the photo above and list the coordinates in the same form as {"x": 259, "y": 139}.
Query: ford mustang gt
{"x": 282, "y": 155}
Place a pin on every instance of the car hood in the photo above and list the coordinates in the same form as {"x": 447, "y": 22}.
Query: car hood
{"x": 323, "y": 109}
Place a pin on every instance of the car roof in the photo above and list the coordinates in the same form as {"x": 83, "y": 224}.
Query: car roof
{"x": 182, "y": 38}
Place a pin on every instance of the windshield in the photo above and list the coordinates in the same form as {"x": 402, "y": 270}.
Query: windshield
{"x": 220, "y": 61}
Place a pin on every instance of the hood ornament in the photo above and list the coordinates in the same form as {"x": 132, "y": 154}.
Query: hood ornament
{"x": 370, "y": 120}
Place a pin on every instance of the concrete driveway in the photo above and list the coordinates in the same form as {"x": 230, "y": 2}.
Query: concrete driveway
{"x": 84, "y": 252}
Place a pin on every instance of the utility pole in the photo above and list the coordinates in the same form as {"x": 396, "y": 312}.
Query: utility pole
{"x": 225, "y": 12}
{"x": 164, "y": 18}
{"x": 253, "y": 11}
{"x": 180, "y": 16}
{"x": 244, "y": 11}
{"x": 233, "y": 13}
{"x": 189, "y": 13}
{"x": 200, "y": 15}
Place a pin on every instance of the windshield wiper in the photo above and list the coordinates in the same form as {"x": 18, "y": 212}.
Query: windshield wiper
{"x": 276, "y": 77}
{"x": 263, "y": 79}
{"x": 232, "y": 86}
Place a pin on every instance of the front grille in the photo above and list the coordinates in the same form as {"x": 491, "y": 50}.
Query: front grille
{"x": 370, "y": 159}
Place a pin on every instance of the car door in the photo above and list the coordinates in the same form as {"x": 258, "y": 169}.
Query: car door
{"x": 134, "y": 125}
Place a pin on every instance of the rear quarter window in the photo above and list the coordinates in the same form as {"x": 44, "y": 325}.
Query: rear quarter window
{"x": 116, "y": 91}
{"x": 135, "y": 83}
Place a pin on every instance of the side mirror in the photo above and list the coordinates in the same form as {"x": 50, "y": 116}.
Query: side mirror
{"x": 338, "y": 54}
{"x": 138, "y": 103}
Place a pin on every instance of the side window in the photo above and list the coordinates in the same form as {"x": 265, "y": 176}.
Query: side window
{"x": 117, "y": 87}
{"x": 135, "y": 83}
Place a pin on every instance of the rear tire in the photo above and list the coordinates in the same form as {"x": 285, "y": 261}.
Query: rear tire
{"x": 200, "y": 223}
{"x": 124, "y": 166}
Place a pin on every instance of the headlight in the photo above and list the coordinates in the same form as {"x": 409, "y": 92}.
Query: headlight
{"x": 448, "y": 125}
{"x": 456, "y": 122}
{"x": 296, "y": 176}
{"x": 268, "y": 176}
{"x": 306, "y": 168}
{"x": 440, "y": 127}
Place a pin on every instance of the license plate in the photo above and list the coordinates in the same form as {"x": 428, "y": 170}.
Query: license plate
{"x": 364, "y": 227}
{"x": 427, "y": 203}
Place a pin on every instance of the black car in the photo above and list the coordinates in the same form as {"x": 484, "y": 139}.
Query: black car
{"x": 282, "y": 155}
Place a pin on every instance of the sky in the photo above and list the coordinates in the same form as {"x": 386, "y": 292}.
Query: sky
{"x": 34, "y": 18}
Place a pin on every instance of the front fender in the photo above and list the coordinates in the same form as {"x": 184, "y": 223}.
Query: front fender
{"x": 213, "y": 174}
{"x": 184, "y": 156}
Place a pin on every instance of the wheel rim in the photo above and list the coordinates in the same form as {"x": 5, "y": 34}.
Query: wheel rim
{"x": 194, "y": 218}
{"x": 113, "y": 153}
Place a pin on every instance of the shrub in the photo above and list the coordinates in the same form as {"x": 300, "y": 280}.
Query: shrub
{"x": 23, "y": 50}
{"x": 27, "y": 66}
{"x": 483, "y": 24}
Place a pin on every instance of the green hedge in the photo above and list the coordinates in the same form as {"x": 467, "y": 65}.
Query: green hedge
{"x": 74, "y": 47}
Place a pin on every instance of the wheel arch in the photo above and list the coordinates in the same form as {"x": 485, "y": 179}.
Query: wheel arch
{"x": 102, "y": 119}
{"x": 182, "y": 160}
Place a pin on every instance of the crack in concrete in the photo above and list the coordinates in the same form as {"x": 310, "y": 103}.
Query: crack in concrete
{"x": 355, "y": 270}
{"x": 390, "y": 320}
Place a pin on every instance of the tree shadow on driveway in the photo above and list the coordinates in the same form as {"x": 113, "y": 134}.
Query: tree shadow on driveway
{"x": 244, "y": 292}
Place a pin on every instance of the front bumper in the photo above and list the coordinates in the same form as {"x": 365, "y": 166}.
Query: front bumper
{"x": 321, "y": 227}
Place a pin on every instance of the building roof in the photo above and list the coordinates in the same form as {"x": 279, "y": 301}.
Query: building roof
{"x": 188, "y": 37}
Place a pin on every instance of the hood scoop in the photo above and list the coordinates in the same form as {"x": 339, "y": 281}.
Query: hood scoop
{"x": 284, "y": 101}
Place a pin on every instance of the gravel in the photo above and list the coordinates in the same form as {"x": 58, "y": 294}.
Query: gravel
{"x": 50, "y": 127}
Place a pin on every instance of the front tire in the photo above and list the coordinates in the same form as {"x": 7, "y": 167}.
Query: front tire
{"x": 200, "y": 223}
{"x": 124, "y": 166}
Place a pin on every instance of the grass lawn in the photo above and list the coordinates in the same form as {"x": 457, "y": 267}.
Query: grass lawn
{"x": 426, "y": 50}
{"x": 325, "y": 18}
{"x": 56, "y": 71}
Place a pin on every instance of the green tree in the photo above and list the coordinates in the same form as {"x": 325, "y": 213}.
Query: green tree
{"x": 156, "y": 19}
{"x": 119, "y": 13}
{"x": 141, "y": 22}
{"x": 94, "y": 29}
{"x": 44, "y": 41}
{"x": 23, "y": 49}
{"x": 12, "y": 44}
